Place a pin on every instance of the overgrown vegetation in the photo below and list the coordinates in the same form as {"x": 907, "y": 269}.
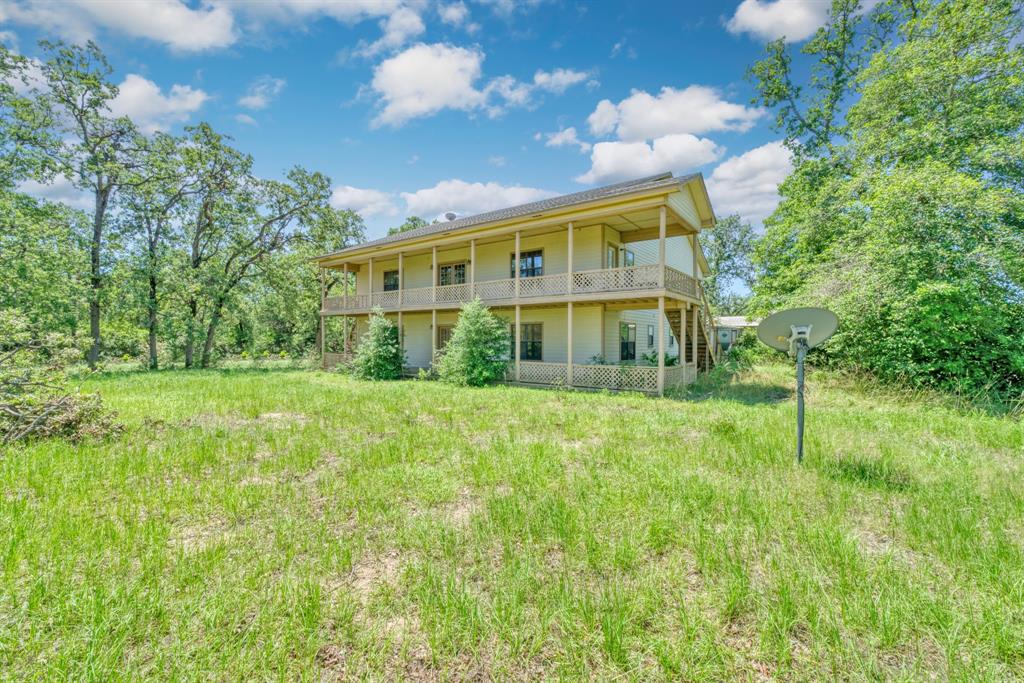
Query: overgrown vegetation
{"x": 379, "y": 354}
{"x": 903, "y": 213}
{"x": 35, "y": 399}
{"x": 188, "y": 255}
{"x": 307, "y": 526}
{"x": 478, "y": 351}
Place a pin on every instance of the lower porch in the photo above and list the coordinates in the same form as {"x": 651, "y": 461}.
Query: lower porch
{"x": 632, "y": 346}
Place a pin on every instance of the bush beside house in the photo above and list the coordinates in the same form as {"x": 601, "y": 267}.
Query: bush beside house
{"x": 477, "y": 352}
{"x": 379, "y": 354}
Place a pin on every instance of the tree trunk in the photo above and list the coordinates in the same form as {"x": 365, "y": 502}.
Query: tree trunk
{"x": 190, "y": 332}
{"x": 153, "y": 239}
{"x": 153, "y": 362}
{"x": 211, "y": 330}
{"x": 95, "y": 276}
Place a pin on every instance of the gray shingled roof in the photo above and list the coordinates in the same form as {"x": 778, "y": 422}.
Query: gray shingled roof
{"x": 630, "y": 186}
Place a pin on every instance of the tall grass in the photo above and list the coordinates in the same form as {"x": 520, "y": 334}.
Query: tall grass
{"x": 254, "y": 524}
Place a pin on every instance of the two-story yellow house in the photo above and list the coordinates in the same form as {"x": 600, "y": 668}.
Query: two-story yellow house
{"x": 606, "y": 294}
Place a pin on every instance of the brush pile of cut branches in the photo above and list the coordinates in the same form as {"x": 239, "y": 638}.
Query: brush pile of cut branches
{"x": 35, "y": 399}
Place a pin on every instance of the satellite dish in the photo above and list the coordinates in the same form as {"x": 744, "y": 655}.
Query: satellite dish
{"x": 782, "y": 330}
{"x": 797, "y": 331}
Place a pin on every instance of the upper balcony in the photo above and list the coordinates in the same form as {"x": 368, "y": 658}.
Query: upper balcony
{"x": 629, "y": 282}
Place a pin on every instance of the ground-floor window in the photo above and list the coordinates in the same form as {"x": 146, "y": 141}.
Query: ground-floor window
{"x": 627, "y": 341}
{"x": 650, "y": 335}
{"x": 444, "y": 335}
{"x": 531, "y": 341}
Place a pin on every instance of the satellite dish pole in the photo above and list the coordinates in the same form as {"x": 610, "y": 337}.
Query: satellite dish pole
{"x": 801, "y": 353}
{"x": 797, "y": 331}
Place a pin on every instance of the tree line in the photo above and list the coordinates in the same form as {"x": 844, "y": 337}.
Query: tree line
{"x": 905, "y": 209}
{"x": 184, "y": 251}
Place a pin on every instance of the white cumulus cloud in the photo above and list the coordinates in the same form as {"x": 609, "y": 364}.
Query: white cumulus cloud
{"x": 695, "y": 109}
{"x": 613, "y": 161}
{"x": 748, "y": 184}
{"x": 566, "y": 137}
{"x": 794, "y": 20}
{"x": 261, "y": 92}
{"x": 246, "y": 119}
{"x": 401, "y": 26}
{"x": 365, "y": 202}
{"x": 176, "y": 24}
{"x": 559, "y": 80}
{"x": 141, "y": 100}
{"x": 423, "y": 80}
{"x": 466, "y": 198}
{"x": 455, "y": 13}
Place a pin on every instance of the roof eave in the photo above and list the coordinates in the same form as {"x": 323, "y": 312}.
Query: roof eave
{"x": 665, "y": 189}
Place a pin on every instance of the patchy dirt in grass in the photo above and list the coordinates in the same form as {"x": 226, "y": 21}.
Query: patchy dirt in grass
{"x": 273, "y": 420}
{"x": 373, "y": 571}
{"x": 198, "y": 536}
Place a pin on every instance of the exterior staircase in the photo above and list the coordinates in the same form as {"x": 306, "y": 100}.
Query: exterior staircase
{"x": 674, "y": 318}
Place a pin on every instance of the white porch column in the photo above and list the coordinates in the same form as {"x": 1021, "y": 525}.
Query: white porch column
{"x": 682, "y": 335}
{"x": 472, "y": 269}
{"x": 693, "y": 340}
{"x": 433, "y": 335}
{"x": 569, "y": 265}
{"x": 344, "y": 286}
{"x": 433, "y": 275}
{"x": 401, "y": 336}
{"x": 323, "y": 327}
{"x": 515, "y": 271}
{"x": 661, "y": 247}
{"x": 568, "y": 335}
{"x": 401, "y": 282}
{"x": 693, "y": 252}
{"x": 369, "y": 281}
{"x": 661, "y": 341}
{"x": 518, "y": 332}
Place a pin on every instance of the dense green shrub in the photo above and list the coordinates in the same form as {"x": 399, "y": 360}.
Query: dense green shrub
{"x": 379, "y": 354}
{"x": 477, "y": 352}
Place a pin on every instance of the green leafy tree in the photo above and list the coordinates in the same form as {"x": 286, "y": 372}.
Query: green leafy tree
{"x": 908, "y": 222}
{"x": 411, "y": 223}
{"x": 44, "y": 261}
{"x": 727, "y": 248}
{"x": 379, "y": 355}
{"x": 477, "y": 352}
{"x": 67, "y": 130}
{"x": 152, "y": 209}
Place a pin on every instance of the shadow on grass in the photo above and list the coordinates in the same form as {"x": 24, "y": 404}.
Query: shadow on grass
{"x": 726, "y": 382}
{"x": 232, "y": 370}
{"x": 875, "y": 473}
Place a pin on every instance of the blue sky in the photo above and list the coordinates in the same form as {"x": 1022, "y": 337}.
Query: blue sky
{"x": 423, "y": 107}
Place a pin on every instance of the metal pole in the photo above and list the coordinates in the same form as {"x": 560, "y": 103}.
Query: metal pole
{"x": 801, "y": 351}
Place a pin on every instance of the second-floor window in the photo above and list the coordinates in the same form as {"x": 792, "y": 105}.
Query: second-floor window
{"x": 628, "y": 258}
{"x": 531, "y": 264}
{"x": 390, "y": 280}
{"x": 451, "y": 274}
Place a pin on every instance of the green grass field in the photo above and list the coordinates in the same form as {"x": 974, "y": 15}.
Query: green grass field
{"x": 281, "y": 524}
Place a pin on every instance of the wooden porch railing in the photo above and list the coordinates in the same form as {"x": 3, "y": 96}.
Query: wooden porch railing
{"x": 604, "y": 280}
